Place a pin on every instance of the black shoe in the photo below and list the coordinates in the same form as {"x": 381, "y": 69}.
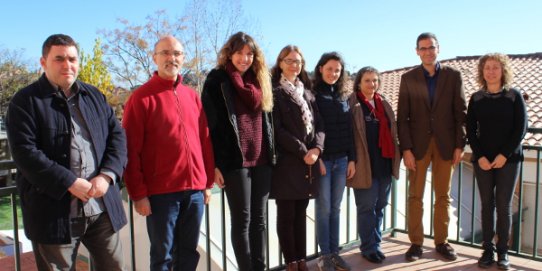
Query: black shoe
{"x": 414, "y": 253}
{"x": 446, "y": 251}
{"x": 502, "y": 261}
{"x": 380, "y": 254}
{"x": 373, "y": 257}
{"x": 487, "y": 259}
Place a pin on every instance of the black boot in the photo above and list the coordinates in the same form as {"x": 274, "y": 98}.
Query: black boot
{"x": 487, "y": 259}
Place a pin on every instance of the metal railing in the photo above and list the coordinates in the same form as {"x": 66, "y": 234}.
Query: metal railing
{"x": 219, "y": 254}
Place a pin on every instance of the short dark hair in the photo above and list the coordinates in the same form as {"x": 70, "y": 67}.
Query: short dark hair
{"x": 57, "y": 40}
{"x": 424, "y": 36}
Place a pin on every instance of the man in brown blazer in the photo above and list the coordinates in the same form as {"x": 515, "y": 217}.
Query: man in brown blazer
{"x": 431, "y": 119}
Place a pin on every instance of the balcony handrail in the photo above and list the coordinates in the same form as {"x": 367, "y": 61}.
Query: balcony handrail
{"x": 390, "y": 226}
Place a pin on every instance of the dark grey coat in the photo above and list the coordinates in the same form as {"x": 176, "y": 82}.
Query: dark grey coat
{"x": 39, "y": 134}
{"x": 292, "y": 178}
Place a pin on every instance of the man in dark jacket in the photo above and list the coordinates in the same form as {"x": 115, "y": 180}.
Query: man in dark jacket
{"x": 70, "y": 152}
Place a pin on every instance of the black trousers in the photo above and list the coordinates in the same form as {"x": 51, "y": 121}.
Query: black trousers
{"x": 292, "y": 228}
{"x": 247, "y": 190}
{"x": 496, "y": 187}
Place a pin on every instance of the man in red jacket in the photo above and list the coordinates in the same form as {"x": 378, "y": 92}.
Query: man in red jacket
{"x": 170, "y": 167}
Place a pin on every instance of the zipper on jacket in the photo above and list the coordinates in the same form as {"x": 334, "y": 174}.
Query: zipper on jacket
{"x": 233, "y": 126}
{"x": 183, "y": 127}
{"x": 274, "y": 154}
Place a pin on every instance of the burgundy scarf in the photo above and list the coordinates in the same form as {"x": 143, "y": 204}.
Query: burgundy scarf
{"x": 247, "y": 86}
{"x": 385, "y": 141}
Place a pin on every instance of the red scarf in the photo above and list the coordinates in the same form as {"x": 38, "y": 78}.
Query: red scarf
{"x": 385, "y": 141}
{"x": 247, "y": 87}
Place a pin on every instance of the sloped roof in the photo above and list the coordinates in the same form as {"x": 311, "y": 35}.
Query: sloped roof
{"x": 527, "y": 77}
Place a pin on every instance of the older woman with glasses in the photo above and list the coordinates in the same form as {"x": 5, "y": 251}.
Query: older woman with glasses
{"x": 300, "y": 141}
{"x": 378, "y": 159}
{"x": 496, "y": 125}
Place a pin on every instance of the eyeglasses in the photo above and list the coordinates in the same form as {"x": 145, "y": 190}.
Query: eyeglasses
{"x": 427, "y": 49}
{"x": 170, "y": 53}
{"x": 292, "y": 61}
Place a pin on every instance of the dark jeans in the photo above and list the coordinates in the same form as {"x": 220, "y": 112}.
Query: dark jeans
{"x": 96, "y": 233}
{"x": 247, "y": 190}
{"x": 496, "y": 187}
{"x": 174, "y": 228}
{"x": 370, "y": 204}
{"x": 292, "y": 228}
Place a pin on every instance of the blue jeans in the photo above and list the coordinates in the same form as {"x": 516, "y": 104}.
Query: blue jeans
{"x": 370, "y": 204}
{"x": 173, "y": 229}
{"x": 328, "y": 204}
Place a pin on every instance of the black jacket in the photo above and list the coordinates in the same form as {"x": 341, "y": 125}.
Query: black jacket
{"x": 39, "y": 134}
{"x": 218, "y": 102}
{"x": 292, "y": 178}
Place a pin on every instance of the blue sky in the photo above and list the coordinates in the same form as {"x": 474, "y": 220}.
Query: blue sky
{"x": 378, "y": 33}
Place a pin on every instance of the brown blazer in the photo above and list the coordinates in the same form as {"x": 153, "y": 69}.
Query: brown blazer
{"x": 363, "y": 178}
{"x": 418, "y": 120}
{"x": 292, "y": 178}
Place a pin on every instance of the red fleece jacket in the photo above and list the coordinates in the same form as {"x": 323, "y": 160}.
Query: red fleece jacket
{"x": 169, "y": 146}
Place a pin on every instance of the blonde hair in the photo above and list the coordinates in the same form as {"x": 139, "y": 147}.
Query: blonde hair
{"x": 236, "y": 43}
{"x": 507, "y": 72}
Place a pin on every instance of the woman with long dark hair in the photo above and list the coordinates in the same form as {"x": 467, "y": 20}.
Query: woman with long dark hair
{"x": 338, "y": 160}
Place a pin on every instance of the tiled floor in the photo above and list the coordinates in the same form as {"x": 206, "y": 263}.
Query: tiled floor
{"x": 28, "y": 263}
{"x": 394, "y": 248}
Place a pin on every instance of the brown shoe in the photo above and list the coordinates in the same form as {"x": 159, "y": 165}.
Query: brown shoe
{"x": 414, "y": 253}
{"x": 446, "y": 251}
{"x": 302, "y": 265}
{"x": 291, "y": 266}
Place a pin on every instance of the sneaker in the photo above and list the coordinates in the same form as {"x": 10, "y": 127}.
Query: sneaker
{"x": 446, "y": 251}
{"x": 339, "y": 263}
{"x": 487, "y": 259}
{"x": 502, "y": 261}
{"x": 325, "y": 263}
{"x": 414, "y": 253}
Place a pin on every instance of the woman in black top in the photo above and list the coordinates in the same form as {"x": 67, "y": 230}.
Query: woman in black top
{"x": 238, "y": 100}
{"x": 496, "y": 125}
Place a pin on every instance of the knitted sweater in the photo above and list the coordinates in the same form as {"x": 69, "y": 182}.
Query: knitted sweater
{"x": 496, "y": 124}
